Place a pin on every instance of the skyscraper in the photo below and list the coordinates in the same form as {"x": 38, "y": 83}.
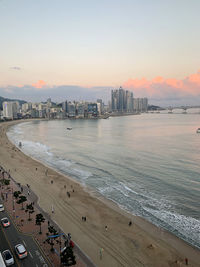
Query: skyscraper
{"x": 121, "y": 100}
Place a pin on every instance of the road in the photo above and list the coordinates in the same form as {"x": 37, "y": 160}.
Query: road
{"x": 10, "y": 236}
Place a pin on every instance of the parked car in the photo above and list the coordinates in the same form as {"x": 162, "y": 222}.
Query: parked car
{"x": 21, "y": 251}
{"x": 1, "y": 207}
{"x": 5, "y": 222}
{"x": 8, "y": 257}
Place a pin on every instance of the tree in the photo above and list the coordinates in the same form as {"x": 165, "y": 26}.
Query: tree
{"x": 50, "y": 240}
{"x": 39, "y": 219}
{"x": 67, "y": 257}
{"x": 21, "y": 200}
{"x": 6, "y": 182}
{"x": 30, "y": 210}
{"x": 16, "y": 194}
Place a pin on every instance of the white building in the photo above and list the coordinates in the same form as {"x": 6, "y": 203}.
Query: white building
{"x": 10, "y": 110}
{"x": 26, "y": 106}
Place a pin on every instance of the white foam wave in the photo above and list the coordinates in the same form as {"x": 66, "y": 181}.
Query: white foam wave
{"x": 83, "y": 174}
{"x": 36, "y": 147}
{"x": 128, "y": 188}
{"x": 187, "y": 226}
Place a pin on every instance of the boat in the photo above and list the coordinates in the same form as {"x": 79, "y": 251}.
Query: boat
{"x": 198, "y": 130}
{"x": 69, "y": 128}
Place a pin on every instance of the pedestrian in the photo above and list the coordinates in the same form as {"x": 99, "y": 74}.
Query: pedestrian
{"x": 28, "y": 192}
{"x": 130, "y": 223}
{"x": 52, "y": 208}
{"x": 106, "y": 227}
{"x": 186, "y": 261}
{"x": 101, "y": 253}
{"x": 71, "y": 243}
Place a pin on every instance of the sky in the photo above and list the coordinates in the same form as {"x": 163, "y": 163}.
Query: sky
{"x": 82, "y": 49}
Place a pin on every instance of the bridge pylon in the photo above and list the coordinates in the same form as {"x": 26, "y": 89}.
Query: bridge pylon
{"x": 184, "y": 110}
{"x": 170, "y": 110}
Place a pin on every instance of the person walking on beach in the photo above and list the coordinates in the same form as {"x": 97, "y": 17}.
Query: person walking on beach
{"x": 186, "y": 261}
{"x": 52, "y": 208}
{"x": 101, "y": 253}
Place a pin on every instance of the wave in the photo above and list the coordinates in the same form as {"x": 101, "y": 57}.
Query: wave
{"x": 187, "y": 228}
{"x": 143, "y": 194}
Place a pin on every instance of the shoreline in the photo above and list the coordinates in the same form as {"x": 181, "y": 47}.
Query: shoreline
{"x": 143, "y": 243}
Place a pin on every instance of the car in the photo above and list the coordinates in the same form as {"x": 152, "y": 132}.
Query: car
{"x": 8, "y": 257}
{"x": 5, "y": 222}
{"x": 21, "y": 251}
{"x": 1, "y": 207}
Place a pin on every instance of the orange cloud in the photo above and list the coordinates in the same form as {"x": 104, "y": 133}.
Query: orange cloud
{"x": 158, "y": 79}
{"x": 137, "y": 83}
{"x": 195, "y": 78}
{"x": 160, "y": 87}
{"x": 40, "y": 84}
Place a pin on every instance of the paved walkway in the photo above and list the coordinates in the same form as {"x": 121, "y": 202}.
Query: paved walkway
{"x": 20, "y": 218}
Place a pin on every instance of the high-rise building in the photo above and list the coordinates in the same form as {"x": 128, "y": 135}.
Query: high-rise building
{"x": 92, "y": 110}
{"x": 140, "y": 105}
{"x": 26, "y": 106}
{"x": 80, "y": 107}
{"x": 100, "y": 106}
{"x": 64, "y": 106}
{"x": 71, "y": 109}
{"x": 10, "y": 110}
{"x": 121, "y": 100}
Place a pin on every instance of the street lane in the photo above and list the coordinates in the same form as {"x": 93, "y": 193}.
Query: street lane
{"x": 10, "y": 237}
{"x": 4, "y": 245}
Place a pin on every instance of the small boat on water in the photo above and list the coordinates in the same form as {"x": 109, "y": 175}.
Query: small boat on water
{"x": 69, "y": 128}
{"x": 198, "y": 130}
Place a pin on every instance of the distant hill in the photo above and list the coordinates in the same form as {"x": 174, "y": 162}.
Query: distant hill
{"x": 2, "y": 99}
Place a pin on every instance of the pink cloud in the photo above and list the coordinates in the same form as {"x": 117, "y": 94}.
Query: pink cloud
{"x": 195, "y": 78}
{"x": 40, "y": 84}
{"x": 161, "y": 87}
{"x": 158, "y": 79}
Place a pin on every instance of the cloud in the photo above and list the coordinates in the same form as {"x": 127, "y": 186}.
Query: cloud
{"x": 159, "y": 91}
{"x": 57, "y": 93}
{"x": 15, "y": 68}
{"x": 161, "y": 88}
{"x": 40, "y": 84}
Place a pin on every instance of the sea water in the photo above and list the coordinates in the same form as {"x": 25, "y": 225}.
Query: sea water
{"x": 148, "y": 164}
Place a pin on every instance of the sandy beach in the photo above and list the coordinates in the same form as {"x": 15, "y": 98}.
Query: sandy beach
{"x": 105, "y": 236}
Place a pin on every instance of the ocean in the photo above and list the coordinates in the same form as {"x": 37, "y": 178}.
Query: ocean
{"x": 148, "y": 164}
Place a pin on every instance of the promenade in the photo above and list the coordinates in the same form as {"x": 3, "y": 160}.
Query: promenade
{"x": 20, "y": 218}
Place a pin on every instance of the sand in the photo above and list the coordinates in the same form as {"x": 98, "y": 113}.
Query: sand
{"x": 141, "y": 244}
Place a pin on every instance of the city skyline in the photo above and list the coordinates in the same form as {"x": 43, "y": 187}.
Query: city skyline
{"x": 58, "y": 49}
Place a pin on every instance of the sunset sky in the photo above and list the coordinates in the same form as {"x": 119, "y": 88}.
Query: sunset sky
{"x": 83, "y": 49}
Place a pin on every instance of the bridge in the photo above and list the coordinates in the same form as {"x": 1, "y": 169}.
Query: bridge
{"x": 171, "y": 109}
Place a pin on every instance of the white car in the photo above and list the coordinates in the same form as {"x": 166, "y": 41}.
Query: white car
{"x": 5, "y": 222}
{"x": 8, "y": 257}
{"x": 1, "y": 207}
{"x": 21, "y": 251}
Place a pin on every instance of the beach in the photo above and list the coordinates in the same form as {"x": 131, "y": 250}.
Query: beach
{"x": 105, "y": 236}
